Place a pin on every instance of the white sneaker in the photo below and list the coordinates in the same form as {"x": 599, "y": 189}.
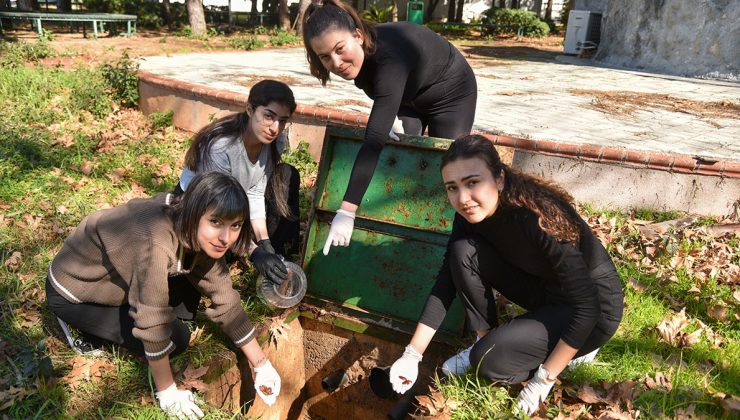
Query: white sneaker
{"x": 79, "y": 345}
{"x": 586, "y": 358}
{"x": 459, "y": 363}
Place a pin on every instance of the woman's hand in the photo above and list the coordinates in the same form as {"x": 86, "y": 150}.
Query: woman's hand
{"x": 536, "y": 391}
{"x": 267, "y": 382}
{"x": 268, "y": 263}
{"x": 340, "y": 232}
{"x": 405, "y": 370}
{"x": 178, "y": 403}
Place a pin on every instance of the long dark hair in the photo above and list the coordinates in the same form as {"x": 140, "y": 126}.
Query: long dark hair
{"x": 236, "y": 125}
{"x": 215, "y": 191}
{"x": 333, "y": 15}
{"x": 553, "y": 205}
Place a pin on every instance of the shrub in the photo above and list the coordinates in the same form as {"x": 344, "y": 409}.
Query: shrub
{"x": 378, "y": 14}
{"x": 161, "y": 119}
{"x": 88, "y": 91}
{"x": 284, "y": 38}
{"x": 17, "y": 54}
{"x": 510, "y": 20}
{"x": 245, "y": 43}
{"x": 123, "y": 80}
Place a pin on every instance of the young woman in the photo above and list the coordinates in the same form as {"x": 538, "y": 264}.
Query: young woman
{"x": 519, "y": 236}
{"x": 410, "y": 72}
{"x": 247, "y": 145}
{"x": 125, "y": 276}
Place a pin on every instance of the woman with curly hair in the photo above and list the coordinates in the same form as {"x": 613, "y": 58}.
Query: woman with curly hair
{"x": 520, "y": 237}
{"x": 416, "y": 79}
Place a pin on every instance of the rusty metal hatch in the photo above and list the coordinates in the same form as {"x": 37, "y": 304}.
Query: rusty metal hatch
{"x": 400, "y": 234}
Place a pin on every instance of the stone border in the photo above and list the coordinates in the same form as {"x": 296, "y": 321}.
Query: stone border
{"x": 676, "y": 163}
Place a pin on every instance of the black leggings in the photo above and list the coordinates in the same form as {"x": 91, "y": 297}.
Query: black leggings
{"x": 511, "y": 353}
{"x": 284, "y": 232}
{"x": 447, "y": 108}
{"x": 114, "y": 324}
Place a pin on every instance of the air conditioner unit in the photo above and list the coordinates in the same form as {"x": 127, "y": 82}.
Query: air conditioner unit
{"x": 583, "y": 33}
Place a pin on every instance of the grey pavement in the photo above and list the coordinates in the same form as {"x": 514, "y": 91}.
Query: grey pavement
{"x": 525, "y": 98}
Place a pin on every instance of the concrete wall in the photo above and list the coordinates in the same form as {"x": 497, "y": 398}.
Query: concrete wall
{"x": 597, "y": 6}
{"x": 618, "y": 187}
{"x": 681, "y": 37}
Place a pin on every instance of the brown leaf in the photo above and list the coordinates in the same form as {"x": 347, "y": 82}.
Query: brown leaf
{"x": 86, "y": 167}
{"x": 718, "y": 312}
{"x": 731, "y": 403}
{"x": 685, "y": 413}
{"x": 736, "y": 295}
{"x": 194, "y": 373}
{"x": 588, "y": 395}
{"x": 671, "y": 326}
{"x": 615, "y": 414}
{"x": 84, "y": 369}
{"x": 196, "y": 384}
{"x": 661, "y": 382}
{"x": 637, "y": 285}
{"x": 14, "y": 261}
{"x": 688, "y": 340}
{"x": 66, "y": 140}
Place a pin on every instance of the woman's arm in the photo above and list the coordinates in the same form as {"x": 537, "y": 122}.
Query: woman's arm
{"x": 259, "y": 227}
{"x": 559, "y": 358}
{"x": 161, "y": 373}
{"x": 422, "y": 337}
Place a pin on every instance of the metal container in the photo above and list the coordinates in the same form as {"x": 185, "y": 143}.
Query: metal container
{"x": 400, "y": 236}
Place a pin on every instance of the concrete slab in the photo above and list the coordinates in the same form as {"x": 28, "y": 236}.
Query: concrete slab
{"x": 558, "y": 114}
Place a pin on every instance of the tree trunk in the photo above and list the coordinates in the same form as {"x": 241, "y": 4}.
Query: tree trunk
{"x": 196, "y": 16}
{"x": 298, "y": 24}
{"x": 502, "y": 4}
{"x": 394, "y": 11}
{"x": 548, "y": 11}
{"x": 430, "y": 10}
{"x": 451, "y": 11}
{"x": 64, "y": 5}
{"x": 167, "y": 13}
{"x": 459, "y": 11}
{"x": 514, "y": 4}
{"x": 253, "y": 11}
{"x": 283, "y": 15}
{"x": 27, "y": 5}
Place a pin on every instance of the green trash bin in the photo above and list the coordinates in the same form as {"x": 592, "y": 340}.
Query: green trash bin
{"x": 415, "y": 12}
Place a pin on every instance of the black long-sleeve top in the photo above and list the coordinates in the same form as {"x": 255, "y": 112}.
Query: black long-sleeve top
{"x": 583, "y": 277}
{"x": 408, "y": 59}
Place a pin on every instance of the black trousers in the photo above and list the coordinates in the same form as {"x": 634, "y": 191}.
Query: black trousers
{"x": 284, "y": 232}
{"x": 447, "y": 108}
{"x": 113, "y": 324}
{"x": 512, "y": 352}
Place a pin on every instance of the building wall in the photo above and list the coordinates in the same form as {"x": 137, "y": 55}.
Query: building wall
{"x": 681, "y": 37}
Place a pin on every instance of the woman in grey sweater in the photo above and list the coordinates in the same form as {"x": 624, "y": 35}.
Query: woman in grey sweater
{"x": 247, "y": 146}
{"x": 125, "y": 276}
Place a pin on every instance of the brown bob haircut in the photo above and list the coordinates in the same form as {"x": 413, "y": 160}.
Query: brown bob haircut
{"x": 211, "y": 191}
{"x": 333, "y": 15}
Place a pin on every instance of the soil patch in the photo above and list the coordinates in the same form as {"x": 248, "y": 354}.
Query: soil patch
{"x": 626, "y": 103}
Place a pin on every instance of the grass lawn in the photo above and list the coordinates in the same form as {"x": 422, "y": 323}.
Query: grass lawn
{"x": 69, "y": 146}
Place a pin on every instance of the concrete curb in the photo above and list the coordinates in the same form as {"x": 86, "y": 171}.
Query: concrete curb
{"x": 675, "y": 163}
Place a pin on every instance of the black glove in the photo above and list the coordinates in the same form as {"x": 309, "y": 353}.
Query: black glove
{"x": 268, "y": 263}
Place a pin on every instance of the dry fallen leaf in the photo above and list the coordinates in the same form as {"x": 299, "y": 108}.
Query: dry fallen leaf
{"x": 661, "y": 382}
{"x": 84, "y": 369}
{"x": 588, "y": 395}
{"x": 14, "y": 261}
{"x": 671, "y": 326}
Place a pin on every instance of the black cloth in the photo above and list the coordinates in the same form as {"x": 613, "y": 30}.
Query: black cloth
{"x": 541, "y": 271}
{"x": 284, "y": 232}
{"x": 419, "y": 76}
{"x": 512, "y": 352}
{"x": 114, "y": 323}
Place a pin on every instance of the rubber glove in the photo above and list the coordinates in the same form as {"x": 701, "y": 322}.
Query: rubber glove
{"x": 405, "y": 370}
{"x": 178, "y": 403}
{"x": 268, "y": 263}
{"x": 536, "y": 390}
{"x": 340, "y": 232}
{"x": 267, "y": 383}
{"x": 396, "y": 129}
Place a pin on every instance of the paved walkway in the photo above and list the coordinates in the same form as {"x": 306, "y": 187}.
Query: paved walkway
{"x": 550, "y": 97}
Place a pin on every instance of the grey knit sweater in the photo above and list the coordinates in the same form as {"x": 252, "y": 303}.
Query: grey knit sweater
{"x": 125, "y": 255}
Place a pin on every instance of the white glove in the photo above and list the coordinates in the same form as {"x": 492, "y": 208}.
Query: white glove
{"x": 536, "y": 390}
{"x": 341, "y": 230}
{"x": 396, "y": 129}
{"x": 267, "y": 383}
{"x": 405, "y": 370}
{"x": 178, "y": 403}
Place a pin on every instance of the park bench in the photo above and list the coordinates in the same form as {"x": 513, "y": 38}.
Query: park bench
{"x": 98, "y": 20}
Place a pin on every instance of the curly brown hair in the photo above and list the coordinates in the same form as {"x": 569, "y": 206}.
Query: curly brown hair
{"x": 333, "y": 15}
{"x": 553, "y": 206}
